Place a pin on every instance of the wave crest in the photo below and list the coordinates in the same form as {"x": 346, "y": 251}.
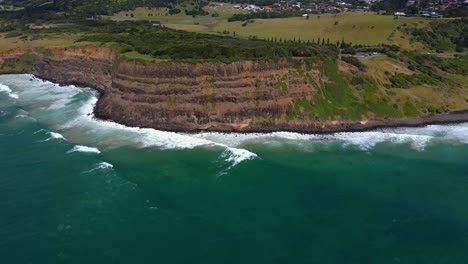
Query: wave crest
{"x": 7, "y": 90}
{"x": 79, "y": 148}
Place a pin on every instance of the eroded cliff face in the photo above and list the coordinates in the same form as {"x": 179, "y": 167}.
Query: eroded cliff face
{"x": 204, "y": 96}
{"x": 86, "y": 66}
{"x": 242, "y": 96}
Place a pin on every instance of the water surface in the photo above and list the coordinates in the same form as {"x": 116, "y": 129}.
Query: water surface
{"x": 77, "y": 190}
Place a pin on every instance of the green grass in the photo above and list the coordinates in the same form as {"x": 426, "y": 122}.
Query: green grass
{"x": 22, "y": 64}
{"x": 133, "y": 55}
{"x": 356, "y": 27}
{"x": 336, "y": 97}
{"x": 181, "y": 20}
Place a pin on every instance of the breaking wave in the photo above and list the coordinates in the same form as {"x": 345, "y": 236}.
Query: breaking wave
{"x": 79, "y": 148}
{"x": 69, "y": 110}
{"x": 55, "y": 135}
{"x": 416, "y": 138}
{"x": 7, "y": 90}
{"x": 234, "y": 156}
{"x": 101, "y": 166}
{"x": 52, "y": 135}
{"x": 147, "y": 137}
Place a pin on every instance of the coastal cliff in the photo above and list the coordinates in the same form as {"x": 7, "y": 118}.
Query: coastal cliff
{"x": 246, "y": 96}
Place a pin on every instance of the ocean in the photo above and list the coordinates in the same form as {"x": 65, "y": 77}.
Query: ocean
{"x": 74, "y": 189}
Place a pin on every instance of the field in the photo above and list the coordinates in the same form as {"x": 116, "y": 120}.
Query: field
{"x": 356, "y": 27}
{"x": 59, "y": 40}
{"x": 181, "y": 21}
{"x": 421, "y": 97}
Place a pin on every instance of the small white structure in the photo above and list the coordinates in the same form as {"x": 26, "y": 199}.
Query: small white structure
{"x": 400, "y": 14}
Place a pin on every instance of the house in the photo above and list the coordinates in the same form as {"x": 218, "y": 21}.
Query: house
{"x": 400, "y": 14}
{"x": 436, "y": 15}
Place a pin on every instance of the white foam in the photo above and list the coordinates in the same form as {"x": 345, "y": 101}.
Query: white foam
{"x": 368, "y": 140}
{"x": 7, "y": 90}
{"x": 55, "y": 135}
{"x": 52, "y": 135}
{"x": 76, "y": 121}
{"x": 101, "y": 166}
{"x": 104, "y": 166}
{"x": 237, "y": 155}
{"x": 79, "y": 148}
{"x": 41, "y": 130}
{"x": 416, "y": 138}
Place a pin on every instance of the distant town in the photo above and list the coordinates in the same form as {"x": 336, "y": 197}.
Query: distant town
{"x": 409, "y": 8}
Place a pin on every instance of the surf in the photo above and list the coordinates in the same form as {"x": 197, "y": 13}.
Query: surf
{"x": 68, "y": 111}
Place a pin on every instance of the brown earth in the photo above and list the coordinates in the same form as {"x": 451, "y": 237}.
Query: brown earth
{"x": 240, "y": 96}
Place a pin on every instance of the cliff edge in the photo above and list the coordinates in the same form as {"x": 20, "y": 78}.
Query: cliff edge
{"x": 246, "y": 96}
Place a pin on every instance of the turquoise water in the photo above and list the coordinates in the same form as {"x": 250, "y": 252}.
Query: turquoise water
{"x": 77, "y": 190}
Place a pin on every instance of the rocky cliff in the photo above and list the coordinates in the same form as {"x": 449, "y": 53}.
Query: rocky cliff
{"x": 240, "y": 96}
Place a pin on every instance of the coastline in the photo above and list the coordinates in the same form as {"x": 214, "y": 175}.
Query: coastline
{"x": 455, "y": 117}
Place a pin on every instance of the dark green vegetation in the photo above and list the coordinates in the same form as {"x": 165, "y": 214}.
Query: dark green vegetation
{"x": 445, "y": 36}
{"x": 81, "y": 8}
{"x": 354, "y": 61}
{"x": 401, "y": 80}
{"x": 180, "y": 45}
{"x": 432, "y": 65}
{"x": 22, "y": 64}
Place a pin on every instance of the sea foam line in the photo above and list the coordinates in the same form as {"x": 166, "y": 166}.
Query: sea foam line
{"x": 117, "y": 134}
{"x": 148, "y": 137}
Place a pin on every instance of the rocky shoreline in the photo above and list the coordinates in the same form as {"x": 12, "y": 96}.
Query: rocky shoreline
{"x": 456, "y": 117}
{"x": 190, "y": 98}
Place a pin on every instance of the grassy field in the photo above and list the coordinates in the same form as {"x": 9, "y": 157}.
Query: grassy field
{"x": 421, "y": 97}
{"x": 181, "y": 20}
{"x": 356, "y": 27}
{"x": 62, "y": 40}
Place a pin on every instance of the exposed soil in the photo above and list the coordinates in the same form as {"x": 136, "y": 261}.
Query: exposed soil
{"x": 243, "y": 96}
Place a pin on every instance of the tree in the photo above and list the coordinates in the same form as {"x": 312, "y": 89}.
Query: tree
{"x": 460, "y": 45}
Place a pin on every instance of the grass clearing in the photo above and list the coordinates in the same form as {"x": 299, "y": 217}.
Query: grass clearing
{"x": 133, "y": 55}
{"x": 23, "y": 41}
{"x": 356, "y": 27}
{"x": 181, "y": 20}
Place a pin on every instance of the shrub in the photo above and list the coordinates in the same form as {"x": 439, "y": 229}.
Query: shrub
{"x": 354, "y": 61}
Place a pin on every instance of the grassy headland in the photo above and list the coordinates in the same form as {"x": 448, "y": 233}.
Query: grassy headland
{"x": 397, "y": 82}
